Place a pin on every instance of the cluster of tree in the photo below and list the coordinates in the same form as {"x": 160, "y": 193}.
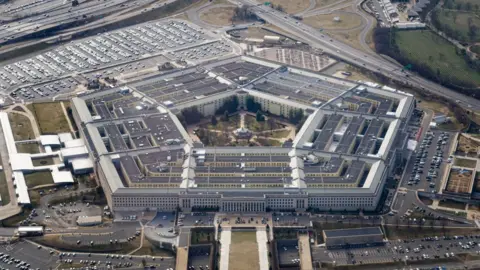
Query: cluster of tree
{"x": 94, "y": 84}
{"x": 468, "y": 6}
{"x": 259, "y": 116}
{"x": 111, "y": 80}
{"x": 230, "y": 105}
{"x": 189, "y": 116}
{"x": 299, "y": 18}
{"x": 295, "y": 116}
{"x": 385, "y": 44}
{"x": 277, "y": 7}
{"x": 439, "y": 23}
{"x": 252, "y": 105}
{"x": 243, "y": 13}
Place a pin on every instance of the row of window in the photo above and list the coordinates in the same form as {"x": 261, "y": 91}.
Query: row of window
{"x": 274, "y": 203}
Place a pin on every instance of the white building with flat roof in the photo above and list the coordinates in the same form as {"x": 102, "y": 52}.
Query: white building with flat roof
{"x": 339, "y": 159}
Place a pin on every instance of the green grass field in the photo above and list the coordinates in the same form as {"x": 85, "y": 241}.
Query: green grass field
{"x": 30, "y": 148}
{"x": 4, "y": 189}
{"x": 463, "y": 162}
{"x": 458, "y": 21}
{"x": 38, "y": 179}
{"x": 475, "y": 49}
{"x": 437, "y": 53}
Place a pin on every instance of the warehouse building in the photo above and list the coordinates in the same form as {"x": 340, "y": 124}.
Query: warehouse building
{"x": 357, "y": 237}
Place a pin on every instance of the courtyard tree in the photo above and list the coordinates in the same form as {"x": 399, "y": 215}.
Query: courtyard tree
{"x": 252, "y": 105}
{"x": 259, "y": 116}
{"x": 271, "y": 124}
{"x": 213, "y": 120}
{"x": 225, "y": 116}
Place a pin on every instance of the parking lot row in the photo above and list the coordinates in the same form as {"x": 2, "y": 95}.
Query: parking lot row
{"x": 105, "y": 50}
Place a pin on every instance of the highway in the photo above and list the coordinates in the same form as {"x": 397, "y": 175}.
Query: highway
{"x": 347, "y": 53}
{"x": 62, "y": 14}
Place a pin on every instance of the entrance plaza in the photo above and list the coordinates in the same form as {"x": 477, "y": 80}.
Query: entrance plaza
{"x": 243, "y": 240}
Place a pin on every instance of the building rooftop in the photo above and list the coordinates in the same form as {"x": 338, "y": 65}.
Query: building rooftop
{"x": 353, "y": 232}
{"x": 138, "y": 139}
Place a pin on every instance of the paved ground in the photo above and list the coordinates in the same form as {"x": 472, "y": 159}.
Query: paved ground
{"x": 398, "y": 250}
{"x": 43, "y": 259}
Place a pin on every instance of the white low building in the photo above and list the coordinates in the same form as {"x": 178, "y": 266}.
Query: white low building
{"x": 82, "y": 165}
{"x": 73, "y": 152}
{"x": 50, "y": 140}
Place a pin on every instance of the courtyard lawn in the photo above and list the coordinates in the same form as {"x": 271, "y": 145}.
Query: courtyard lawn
{"x": 50, "y": 117}
{"x": 21, "y": 127}
{"x": 38, "y": 179}
{"x": 463, "y": 162}
{"x": 425, "y": 48}
{"x": 232, "y": 124}
{"x": 29, "y": 148}
{"x": 244, "y": 251}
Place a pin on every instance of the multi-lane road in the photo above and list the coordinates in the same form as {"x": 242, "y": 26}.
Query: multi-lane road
{"x": 63, "y": 14}
{"x": 347, "y": 53}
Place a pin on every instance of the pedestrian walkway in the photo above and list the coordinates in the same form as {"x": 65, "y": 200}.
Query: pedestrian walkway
{"x": 225, "y": 239}
{"x": 262, "y": 247}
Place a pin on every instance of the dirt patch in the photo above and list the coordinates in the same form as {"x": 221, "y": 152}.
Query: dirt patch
{"x": 291, "y": 7}
{"x": 345, "y": 21}
{"x": 21, "y": 127}
{"x": 30, "y": 148}
{"x": 218, "y": 16}
{"x": 50, "y": 117}
{"x": 467, "y": 145}
{"x": 323, "y": 3}
{"x": 244, "y": 246}
{"x": 467, "y": 163}
{"x": 459, "y": 181}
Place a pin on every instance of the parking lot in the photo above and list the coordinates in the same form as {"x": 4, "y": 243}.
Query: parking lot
{"x": 202, "y": 52}
{"x": 199, "y": 257}
{"x": 427, "y": 164}
{"x": 46, "y": 90}
{"x": 129, "y": 70}
{"x": 288, "y": 252}
{"x": 401, "y": 250}
{"x": 108, "y": 49}
{"x": 37, "y": 257}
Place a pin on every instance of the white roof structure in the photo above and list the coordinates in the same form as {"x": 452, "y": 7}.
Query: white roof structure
{"x": 30, "y": 229}
{"x": 74, "y": 143}
{"x": 62, "y": 177}
{"x": 49, "y": 140}
{"x": 81, "y": 164}
{"x": 7, "y": 132}
{"x": 21, "y": 162}
{"x": 65, "y": 137}
{"x": 68, "y": 153}
{"x": 21, "y": 188}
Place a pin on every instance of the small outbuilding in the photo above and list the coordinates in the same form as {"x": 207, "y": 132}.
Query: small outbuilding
{"x": 30, "y": 231}
{"x": 89, "y": 220}
{"x": 50, "y": 140}
{"x": 82, "y": 165}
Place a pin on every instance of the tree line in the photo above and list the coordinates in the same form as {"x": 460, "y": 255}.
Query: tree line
{"x": 439, "y": 22}
{"x": 452, "y": 4}
{"x": 385, "y": 43}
